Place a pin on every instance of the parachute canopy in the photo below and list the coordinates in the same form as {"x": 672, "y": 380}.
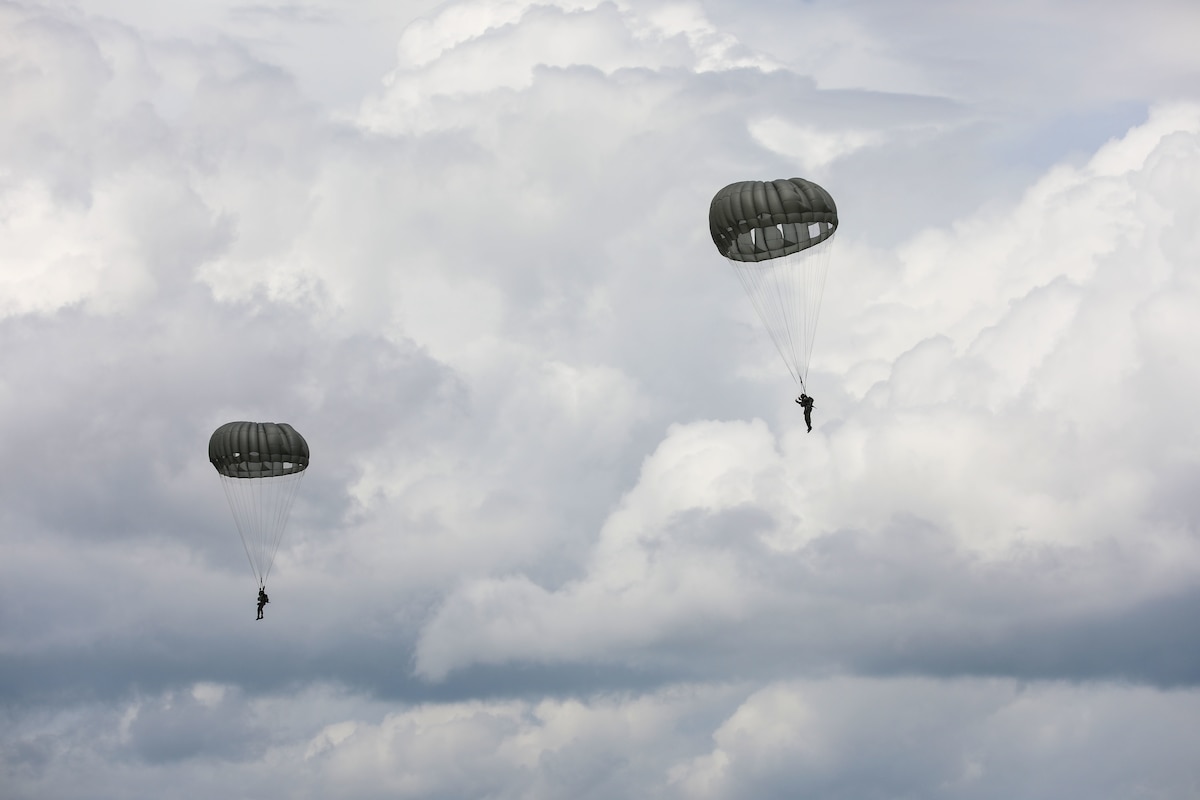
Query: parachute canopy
{"x": 778, "y": 235}
{"x": 257, "y": 450}
{"x": 261, "y": 465}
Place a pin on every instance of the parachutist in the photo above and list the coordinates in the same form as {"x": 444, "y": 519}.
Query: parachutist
{"x": 806, "y": 403}
{"x": 262, "y": 600}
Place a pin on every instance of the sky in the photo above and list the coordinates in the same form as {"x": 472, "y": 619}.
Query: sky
{"x": 564, "y": 533}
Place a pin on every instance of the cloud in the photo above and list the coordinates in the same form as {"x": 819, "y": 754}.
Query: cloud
{"x": 564, "y": 533}
{"x": 477, "y": 47}
{"x": 997, "y": 420}
{"x": 1065, "y": 60}
{"x": 855, "y": 738}
{"x": 810, "y": 148}
{"x": 838, "y": 736}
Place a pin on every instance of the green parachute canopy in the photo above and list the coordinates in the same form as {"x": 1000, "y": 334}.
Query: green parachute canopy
{"x": 777, "y": 236}
{"x": 261, "y": 465}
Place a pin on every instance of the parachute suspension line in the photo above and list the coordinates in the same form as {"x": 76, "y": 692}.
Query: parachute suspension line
{"x": 241, "y": 511}
{"x": 767, "y": 287}
{"x": 261, "y": 508}
{"x": 281, "y": 508}
{"x": 265, "y": 496}
{"x": 815, "y": 273}
{"x": 786, "y": 294}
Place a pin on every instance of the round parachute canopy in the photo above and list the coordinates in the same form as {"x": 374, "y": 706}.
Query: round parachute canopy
{"x": 778, "y": 235}
{"x": 261, "y": 465}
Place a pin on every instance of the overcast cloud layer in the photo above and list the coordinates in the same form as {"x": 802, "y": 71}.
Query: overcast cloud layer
{"x": 564, "y": 533}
